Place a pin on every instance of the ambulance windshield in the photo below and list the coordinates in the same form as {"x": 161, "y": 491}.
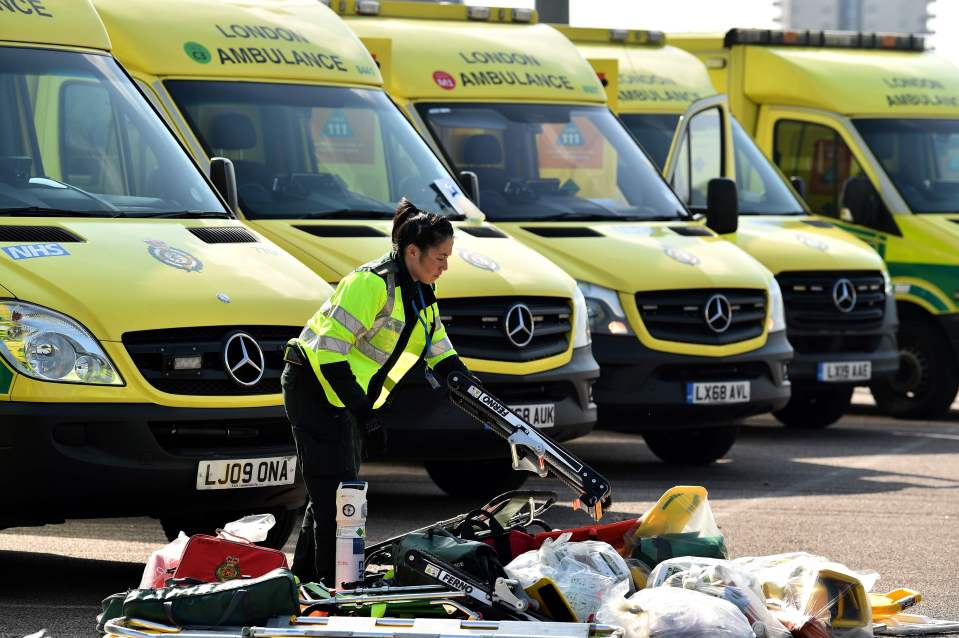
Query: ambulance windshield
{"x": 551, "y": 161}
{"x": 654, "y": 131}
{"x": 921, "y": 156}
{"x": 78, "y": 139}
{"x": 303, "y": 152}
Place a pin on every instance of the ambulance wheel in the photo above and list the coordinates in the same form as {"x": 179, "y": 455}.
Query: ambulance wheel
{"x": 815, "y": 408}
{"x": 927, "y": 381}
{"x": 208, "y": 524}
{"x": 691, "y": 447}
{"x": 476, "y": 479}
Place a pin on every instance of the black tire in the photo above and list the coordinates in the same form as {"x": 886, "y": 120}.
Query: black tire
{"x": 209, "y": 523}
{"x": 927, "y": 381}
{"x": 691, "y": 447}
{"x": 476, "y": 479}
{"x": 815, "y": 408}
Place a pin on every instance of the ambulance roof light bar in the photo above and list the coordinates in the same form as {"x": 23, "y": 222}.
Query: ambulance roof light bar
{"x": 368, "y": 7}
{"x": 826, "y": 39}
{"x": 477, "y": 13}
{"x": 624, "y": 36}
{"x": 400, "y": 9}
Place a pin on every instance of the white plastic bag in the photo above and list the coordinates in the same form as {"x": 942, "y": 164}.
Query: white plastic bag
{"x": 585, "y": 572}
{"x": 721, "y": 579}
{"x": 253, "y": 528}
{"x": 163, "y": 562}
{"x": 671, "y": 612}
{"x": 804, "y": 585}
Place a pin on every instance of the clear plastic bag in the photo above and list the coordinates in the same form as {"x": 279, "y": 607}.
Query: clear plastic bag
{"x": 163, "y": 562}
{"x": 585, "y": 572}
{"x": 681, "y": 523}
{"x": 672, "y": 612}
{"x": 799, "y": 585}
{"x": 253, "y": 528}
{"x": 721, "y": 579}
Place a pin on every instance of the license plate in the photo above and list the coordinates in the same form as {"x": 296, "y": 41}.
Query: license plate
{"x": 539, "y": 415}
{"x": 844, "y": 371}
{"x": 237, "y": 473}
{"x": 718, "y": 392}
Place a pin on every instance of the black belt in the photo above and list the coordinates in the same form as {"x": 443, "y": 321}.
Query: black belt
{"x": 293, "y": 354}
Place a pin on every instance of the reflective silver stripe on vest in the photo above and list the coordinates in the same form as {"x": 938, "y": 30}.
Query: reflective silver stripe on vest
{"x": 372, "y": 352}
{"x": 343, "y": 317}
{"x": 387, "y": 309}
{"x": 440, "y": 347}
{"x": 317, "y": 343}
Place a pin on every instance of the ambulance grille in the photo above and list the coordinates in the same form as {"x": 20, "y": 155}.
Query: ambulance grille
{"x": 477, "y": 327}
{"x": 155, "y": 351}
{"x": 815, "y": 322}
{"x": 38, "y": 234}
{"x": 680, "y": 315}
{"x": 486, "y": 232}
{"x": 224, "y": 235}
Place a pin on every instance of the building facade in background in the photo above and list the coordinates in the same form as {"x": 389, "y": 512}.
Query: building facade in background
{"x": 901, "y": 16}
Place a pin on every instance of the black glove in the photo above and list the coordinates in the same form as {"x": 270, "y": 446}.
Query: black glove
{"x": 374, "y": 437}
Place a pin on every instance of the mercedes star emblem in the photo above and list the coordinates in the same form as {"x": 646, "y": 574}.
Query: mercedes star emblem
{"x": 844, "y": 295}
{"x": 519, "y": 325}
{"x": 243, "y": 359}
{"x": 718, "y": 313}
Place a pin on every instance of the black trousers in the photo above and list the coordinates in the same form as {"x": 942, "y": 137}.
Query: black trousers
{"x": 328, "y": 449}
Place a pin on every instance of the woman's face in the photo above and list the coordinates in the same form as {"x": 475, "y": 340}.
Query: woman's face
{"x": 426, "y": 267}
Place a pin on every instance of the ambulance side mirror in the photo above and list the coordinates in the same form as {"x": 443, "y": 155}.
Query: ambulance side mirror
{"x": 223, "y": 176}
{"x": 799, "y": 184}
{"x": 470, "y": 182}
{"x": 722, "y": 205}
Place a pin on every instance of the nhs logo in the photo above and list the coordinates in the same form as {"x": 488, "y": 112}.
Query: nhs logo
{"x": 30, "y": 251}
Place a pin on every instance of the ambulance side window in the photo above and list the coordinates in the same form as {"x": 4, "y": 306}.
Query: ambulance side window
{"x": 700, "y": 157}
{"x": 89, "y": 138}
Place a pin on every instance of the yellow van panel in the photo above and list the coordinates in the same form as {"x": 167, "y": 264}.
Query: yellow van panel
{"x": 129, "y": 275}
{"x": 853, "y": 82}
{"x": 476, "y": 60}
{"x": 281, "y": 39}
{"x": 651, "y": 79}
{"x": 59, "y": 22}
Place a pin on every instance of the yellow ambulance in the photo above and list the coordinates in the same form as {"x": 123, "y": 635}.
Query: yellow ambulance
{"x": 839, "y": 317}
{"x": 141, "y": 324}
{"x": 322, "y": 156}
{"x": 687, "y": 328}
{"x": 868, "y": 126}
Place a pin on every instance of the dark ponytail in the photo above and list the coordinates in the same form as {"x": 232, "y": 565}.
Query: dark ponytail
{"x": 414, "y": 226}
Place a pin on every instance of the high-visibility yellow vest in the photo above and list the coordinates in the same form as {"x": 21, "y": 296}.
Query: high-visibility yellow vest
{"x": 362, "y": 323}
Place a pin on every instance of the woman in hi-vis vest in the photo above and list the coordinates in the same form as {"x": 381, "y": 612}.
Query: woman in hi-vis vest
{"x": 341, "y": 369}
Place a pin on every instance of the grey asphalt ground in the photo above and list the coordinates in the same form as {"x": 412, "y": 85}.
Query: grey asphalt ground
{"x": 870, "y": 492}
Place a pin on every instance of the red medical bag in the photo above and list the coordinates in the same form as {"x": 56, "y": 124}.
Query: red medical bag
{"x": 212, "y": 559}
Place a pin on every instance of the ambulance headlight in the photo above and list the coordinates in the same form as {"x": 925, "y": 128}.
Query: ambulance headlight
{"x": 606, "y": 314}
{"x": 45, "y": 345}
{"x": 581, "y": 335}
{"x": 887, "y": 284}
{"x": 777, "y": 313}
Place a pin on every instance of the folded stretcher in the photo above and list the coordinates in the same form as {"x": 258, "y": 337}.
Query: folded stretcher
{"x": 346, "y": 626}
{"x": 532, "y": 450}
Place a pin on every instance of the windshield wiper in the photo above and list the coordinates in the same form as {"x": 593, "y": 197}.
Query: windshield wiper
{"x": 40, "y": 211}
{"x": 188, "y": 214}
{"x": 348, "y": 213}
